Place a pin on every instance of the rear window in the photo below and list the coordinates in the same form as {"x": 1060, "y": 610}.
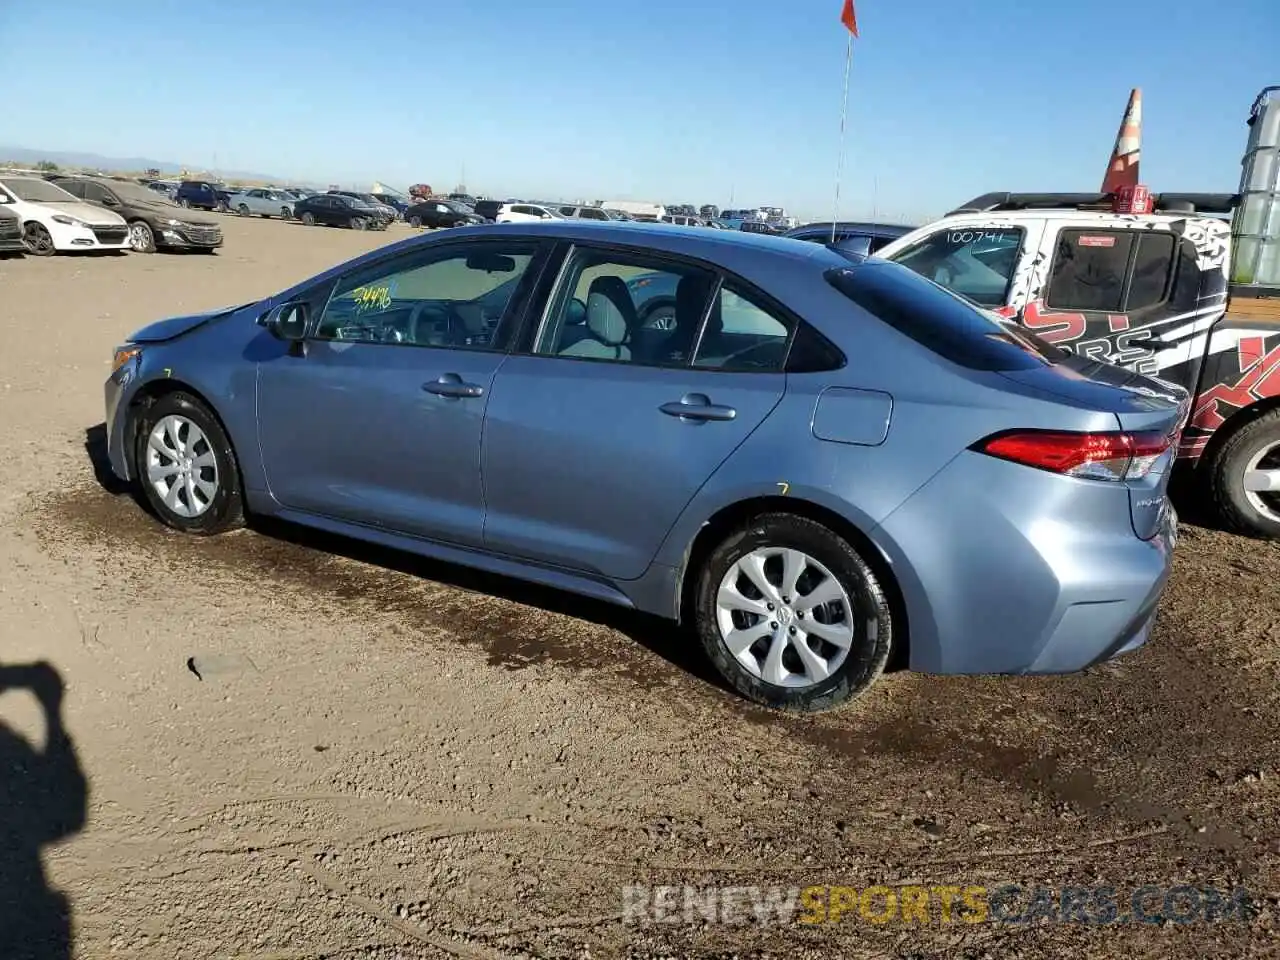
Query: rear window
{"x": 939, "y": 320}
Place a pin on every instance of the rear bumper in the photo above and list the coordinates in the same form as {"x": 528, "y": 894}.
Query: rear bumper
{"x": 1009, "y": 570}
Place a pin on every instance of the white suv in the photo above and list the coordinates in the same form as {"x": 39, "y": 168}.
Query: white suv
{"x": 53, "y": 220}
{"x": 526, "y": 213}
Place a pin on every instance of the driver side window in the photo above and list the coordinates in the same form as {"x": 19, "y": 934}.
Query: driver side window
{"x": 452, "y": 298}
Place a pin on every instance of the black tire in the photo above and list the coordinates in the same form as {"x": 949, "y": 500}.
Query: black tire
{"x": 308, "y": 219}
{"x": 142, "y": 238}
{"x": 1235, "y": 508}
{"x": 286, "y": 213}
{"x": 243, "y": 210}
{"x": 358, "y": 223}
{"x": 225, "y": 510}
{"x": 37, "y": 240}
{"x": 415, "y": 222}
{"x": 873, "y": 633}
{"x": 185, "y": 203}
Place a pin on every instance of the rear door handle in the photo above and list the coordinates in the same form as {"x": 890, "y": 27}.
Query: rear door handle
{"x": 452, "y": 385}
{"x": 697, "y": 406}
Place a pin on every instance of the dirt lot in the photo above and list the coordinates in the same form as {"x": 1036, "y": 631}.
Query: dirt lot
{"x": 385, "y": 758}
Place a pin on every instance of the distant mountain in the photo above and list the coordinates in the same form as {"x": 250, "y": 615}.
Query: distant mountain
{"x": 99, "y": 162}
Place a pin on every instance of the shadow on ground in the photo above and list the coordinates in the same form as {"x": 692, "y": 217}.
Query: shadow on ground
{"x": 509, "y": 617}
{"x": 43, "y": 799}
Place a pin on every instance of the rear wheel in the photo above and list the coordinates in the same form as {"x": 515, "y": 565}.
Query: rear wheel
{"x": 415, "y": 222}
{"x": 1244, "y": 478}
{"x": 186, "y": 468}
{"x": 141, "y": 237}
{"x": 792, "y": 615}
{"x": 309, "y": 219}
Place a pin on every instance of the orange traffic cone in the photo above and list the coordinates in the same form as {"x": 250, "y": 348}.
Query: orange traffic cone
{"x": 1122, "y": 170}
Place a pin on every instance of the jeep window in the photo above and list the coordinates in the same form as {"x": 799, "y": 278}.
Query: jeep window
{"x": 976, "y": 262}
{"x": 1089, "y": 268}
{"x": 1153, "y": 270}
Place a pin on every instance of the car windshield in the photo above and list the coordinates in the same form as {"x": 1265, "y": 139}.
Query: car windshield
{"x": 457, "y": 207}
{"x": 37, "y": 191}
{"x": 136, "y": 192}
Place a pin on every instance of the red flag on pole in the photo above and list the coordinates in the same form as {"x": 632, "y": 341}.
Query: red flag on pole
{"x": 849, "y": 18}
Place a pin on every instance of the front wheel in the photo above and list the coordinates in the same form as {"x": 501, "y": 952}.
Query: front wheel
{"x": 286, "y": 213}
{"x": 243, "y": 210}
{"x": 308, "y": 219}
{"x": 186, "y": 467}
{"x": 1244, "y": 478}
{"x": 358, "y": 223}
{"x": 792, "y": 616}
{"x": 415, "y": 222}
{"x": 37, "y": 240}
{"x": 141, "y": 237}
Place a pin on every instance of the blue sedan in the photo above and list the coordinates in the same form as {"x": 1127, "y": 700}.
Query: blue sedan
{"x": 821, "y": 462}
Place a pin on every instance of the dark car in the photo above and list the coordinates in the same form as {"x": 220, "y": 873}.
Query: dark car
{"x": 488, "y": 209}
{"x": 759, "y": 226}
{"x": 10, "y": 234}
{"x": 863, "y": 239}
{"x": 384, "y": 209}
{"x": 339, "y": 210}
{"x": 399, "y": 204}
{"x": 203, "y": 195}
{"x": 441, "y": 213}
{"x": 154, "y": 222}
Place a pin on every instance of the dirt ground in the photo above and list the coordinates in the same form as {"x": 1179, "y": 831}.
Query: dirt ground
{"x": 283, "y": 745}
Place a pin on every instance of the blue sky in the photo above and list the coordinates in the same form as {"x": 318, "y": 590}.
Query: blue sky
{"x": 694, "y": 101}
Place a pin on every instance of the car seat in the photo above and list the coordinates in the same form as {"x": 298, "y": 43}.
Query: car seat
{"x": 611, "y": 317}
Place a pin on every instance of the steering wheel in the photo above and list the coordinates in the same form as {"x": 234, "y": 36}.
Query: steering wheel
{"x": 434, "y": 315}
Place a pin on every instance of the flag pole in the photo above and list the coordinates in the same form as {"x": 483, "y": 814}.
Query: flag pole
{"x": 844, "y": 112}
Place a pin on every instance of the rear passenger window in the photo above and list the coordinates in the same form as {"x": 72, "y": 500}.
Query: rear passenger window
{"x": 626, "y": 309}
{"x": 1089, "y": 268}
{"x": 742, "y": 335}
{"x": 1153, "y": 268}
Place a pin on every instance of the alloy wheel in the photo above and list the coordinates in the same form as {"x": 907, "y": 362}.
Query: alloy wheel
{"x": 785, "y": 617}
{"x": 38, "y": 241}
{"x": 181, "y": 466}
{"x": 1262, "y": 481}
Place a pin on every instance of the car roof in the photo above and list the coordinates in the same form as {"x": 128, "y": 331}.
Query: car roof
{"x": 719, "y": 245}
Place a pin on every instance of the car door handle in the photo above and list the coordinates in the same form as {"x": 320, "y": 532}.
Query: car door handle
{"x": 452, "y": 385}
{"x": 697, "y": 406}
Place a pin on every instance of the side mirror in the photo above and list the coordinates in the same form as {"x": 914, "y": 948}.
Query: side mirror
{"x": 110, "y": 201}
{"x": 287, "y": 322}
{"x": 577, "y": 313}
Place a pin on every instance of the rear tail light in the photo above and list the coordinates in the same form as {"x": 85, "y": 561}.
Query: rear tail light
{"x": 1093, "y": 456}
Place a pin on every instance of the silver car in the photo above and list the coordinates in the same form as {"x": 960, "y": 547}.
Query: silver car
{"x": 262, "y": 202}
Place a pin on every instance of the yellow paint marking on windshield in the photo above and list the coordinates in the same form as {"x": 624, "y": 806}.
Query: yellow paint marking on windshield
{"x": 783, "y": 487}
{"x": 372, "y": 298}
